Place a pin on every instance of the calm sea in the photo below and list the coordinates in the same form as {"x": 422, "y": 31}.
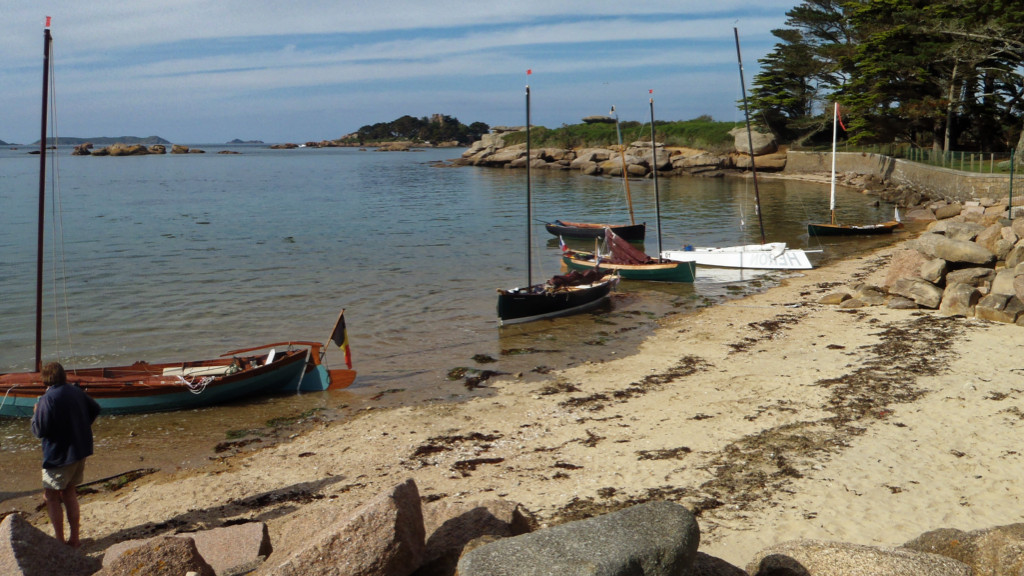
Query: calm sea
{"x": 173, "y": 257}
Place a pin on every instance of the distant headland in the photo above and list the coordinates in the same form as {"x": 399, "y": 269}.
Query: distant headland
{"x": 106, "y": 140}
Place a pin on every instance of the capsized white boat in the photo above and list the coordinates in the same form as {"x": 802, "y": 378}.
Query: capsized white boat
{"x": 769, "y": 256}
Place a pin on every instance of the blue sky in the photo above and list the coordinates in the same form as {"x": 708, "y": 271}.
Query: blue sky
{"x": 205, "y": 71}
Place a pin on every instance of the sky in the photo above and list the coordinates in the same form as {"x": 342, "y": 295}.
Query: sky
{"x": 206, "y": 71}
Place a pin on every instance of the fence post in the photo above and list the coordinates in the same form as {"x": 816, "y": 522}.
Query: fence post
{"x": 1011, "y": 184}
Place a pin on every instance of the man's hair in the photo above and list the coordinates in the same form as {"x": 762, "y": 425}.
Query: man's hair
{"x": 53, "y": 374}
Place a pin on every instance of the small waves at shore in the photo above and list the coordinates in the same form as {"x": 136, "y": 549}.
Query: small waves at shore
{"x": 190, "y": 256}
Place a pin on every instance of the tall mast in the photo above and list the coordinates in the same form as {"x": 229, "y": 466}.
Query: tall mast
{"x": 832, "y": 191}
{"x": 625, "y": 173}
{"x": 750, "y": 139}
{"x": 529, "y": 203}
{"x": 654, "y": 171}
{"x": 42, "y": 199}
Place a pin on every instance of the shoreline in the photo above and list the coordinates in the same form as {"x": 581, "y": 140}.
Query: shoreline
{"x": 772, "y": 417}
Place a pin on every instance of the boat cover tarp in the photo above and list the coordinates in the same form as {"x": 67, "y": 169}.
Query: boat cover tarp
{"x": 576, "y": 278}
{"x": 622, "y": 252}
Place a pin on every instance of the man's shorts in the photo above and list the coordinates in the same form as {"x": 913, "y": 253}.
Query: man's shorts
{"x": 61, "y": 478}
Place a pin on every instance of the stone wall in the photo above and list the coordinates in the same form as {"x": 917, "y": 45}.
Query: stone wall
{"x": 938, "y": 183}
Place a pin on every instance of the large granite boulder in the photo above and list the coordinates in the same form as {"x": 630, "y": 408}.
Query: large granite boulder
{"x": 948, "y": 211}
{"x": 821, "y": 558}
{"x": 127, "y": 149}
{"x": 763, "y": 143}
{"x": 997, "y": 551}
{"x": 451, "y": 525}
{"x": 904, "y": 263}
{"x": 924, "y": 293}
{"x": 225, "y": 549}
{"x": 383, "y": 538}
{"x": 655, "y": 539}
{"x": 961, "y": 251}
{"x": 999, "y": 308}
{"x": 959, "y": 299}
{"x": 975, "y": 276}
{"x": 1015, "y": 255}
{"x": 27, "y": 551}
{"x": 164, "y": 555}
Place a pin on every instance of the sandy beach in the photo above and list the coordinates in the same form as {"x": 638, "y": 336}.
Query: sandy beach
{"x": 772, "y": 417}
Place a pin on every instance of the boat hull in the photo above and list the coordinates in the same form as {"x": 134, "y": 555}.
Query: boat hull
{"x": 628, "y": 232}
{"x": 144, "y": 387}
{"x": 771, "y": 256}
{"x": 519, "y": 305}
{"x": 848, "y": 230}
{"x": 658, "y": 271}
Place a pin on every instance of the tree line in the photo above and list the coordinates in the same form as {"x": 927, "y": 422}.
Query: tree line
{"x": 940, "y": 74}
{"x": 438, "y": 128}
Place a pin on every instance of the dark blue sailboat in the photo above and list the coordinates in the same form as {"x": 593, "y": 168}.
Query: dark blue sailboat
{"x": 559, "y": 296}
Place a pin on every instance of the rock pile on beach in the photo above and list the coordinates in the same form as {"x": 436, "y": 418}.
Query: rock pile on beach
{"x": 396, "y": 534}
{"x": 969, "y": 262}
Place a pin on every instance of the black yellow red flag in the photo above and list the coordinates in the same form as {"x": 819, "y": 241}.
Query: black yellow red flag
{"x": 340, "y": 337}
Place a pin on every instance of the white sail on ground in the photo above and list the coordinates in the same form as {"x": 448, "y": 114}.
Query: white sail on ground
{"x": 770, "y": 256}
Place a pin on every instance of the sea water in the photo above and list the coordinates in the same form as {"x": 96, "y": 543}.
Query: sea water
{"x": 175, "y": 257}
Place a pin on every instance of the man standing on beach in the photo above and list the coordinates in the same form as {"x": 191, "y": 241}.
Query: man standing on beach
{"x": 63, "y": 419}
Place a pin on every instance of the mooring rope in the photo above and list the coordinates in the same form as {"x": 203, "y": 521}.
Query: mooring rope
{"x": 194, "y": 386}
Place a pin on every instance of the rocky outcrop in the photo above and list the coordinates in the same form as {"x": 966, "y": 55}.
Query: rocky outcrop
{"x": 127, "y": 150}
{"x": 491, "y": 151}
{"x": 396, "y": 535}
{"x": 395, "y": 147}
{"x": 970, "y": 263}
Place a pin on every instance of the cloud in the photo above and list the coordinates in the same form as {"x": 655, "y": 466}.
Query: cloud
{"x": 228, "y": 56}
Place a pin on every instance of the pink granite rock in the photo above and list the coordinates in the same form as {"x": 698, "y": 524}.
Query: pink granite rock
{"x": 27, "y": 551}
{"x": 383, "y": 538}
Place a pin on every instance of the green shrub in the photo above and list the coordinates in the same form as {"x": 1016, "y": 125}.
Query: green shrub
{"x": 702, "y": 133}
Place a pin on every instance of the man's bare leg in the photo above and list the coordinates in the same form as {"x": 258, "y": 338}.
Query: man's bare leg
{"x": 56, "y": 512}
{"x": 70, "y": 497}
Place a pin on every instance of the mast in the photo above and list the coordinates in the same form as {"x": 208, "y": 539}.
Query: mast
{"x": 654, "y": 170}
{"x": 625, "y": 174}
{"x": 529, "y": 204}
{"x": 832, "y": 192}
{"x": 750, "y": 139}
{"x": 47, "y": 39}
